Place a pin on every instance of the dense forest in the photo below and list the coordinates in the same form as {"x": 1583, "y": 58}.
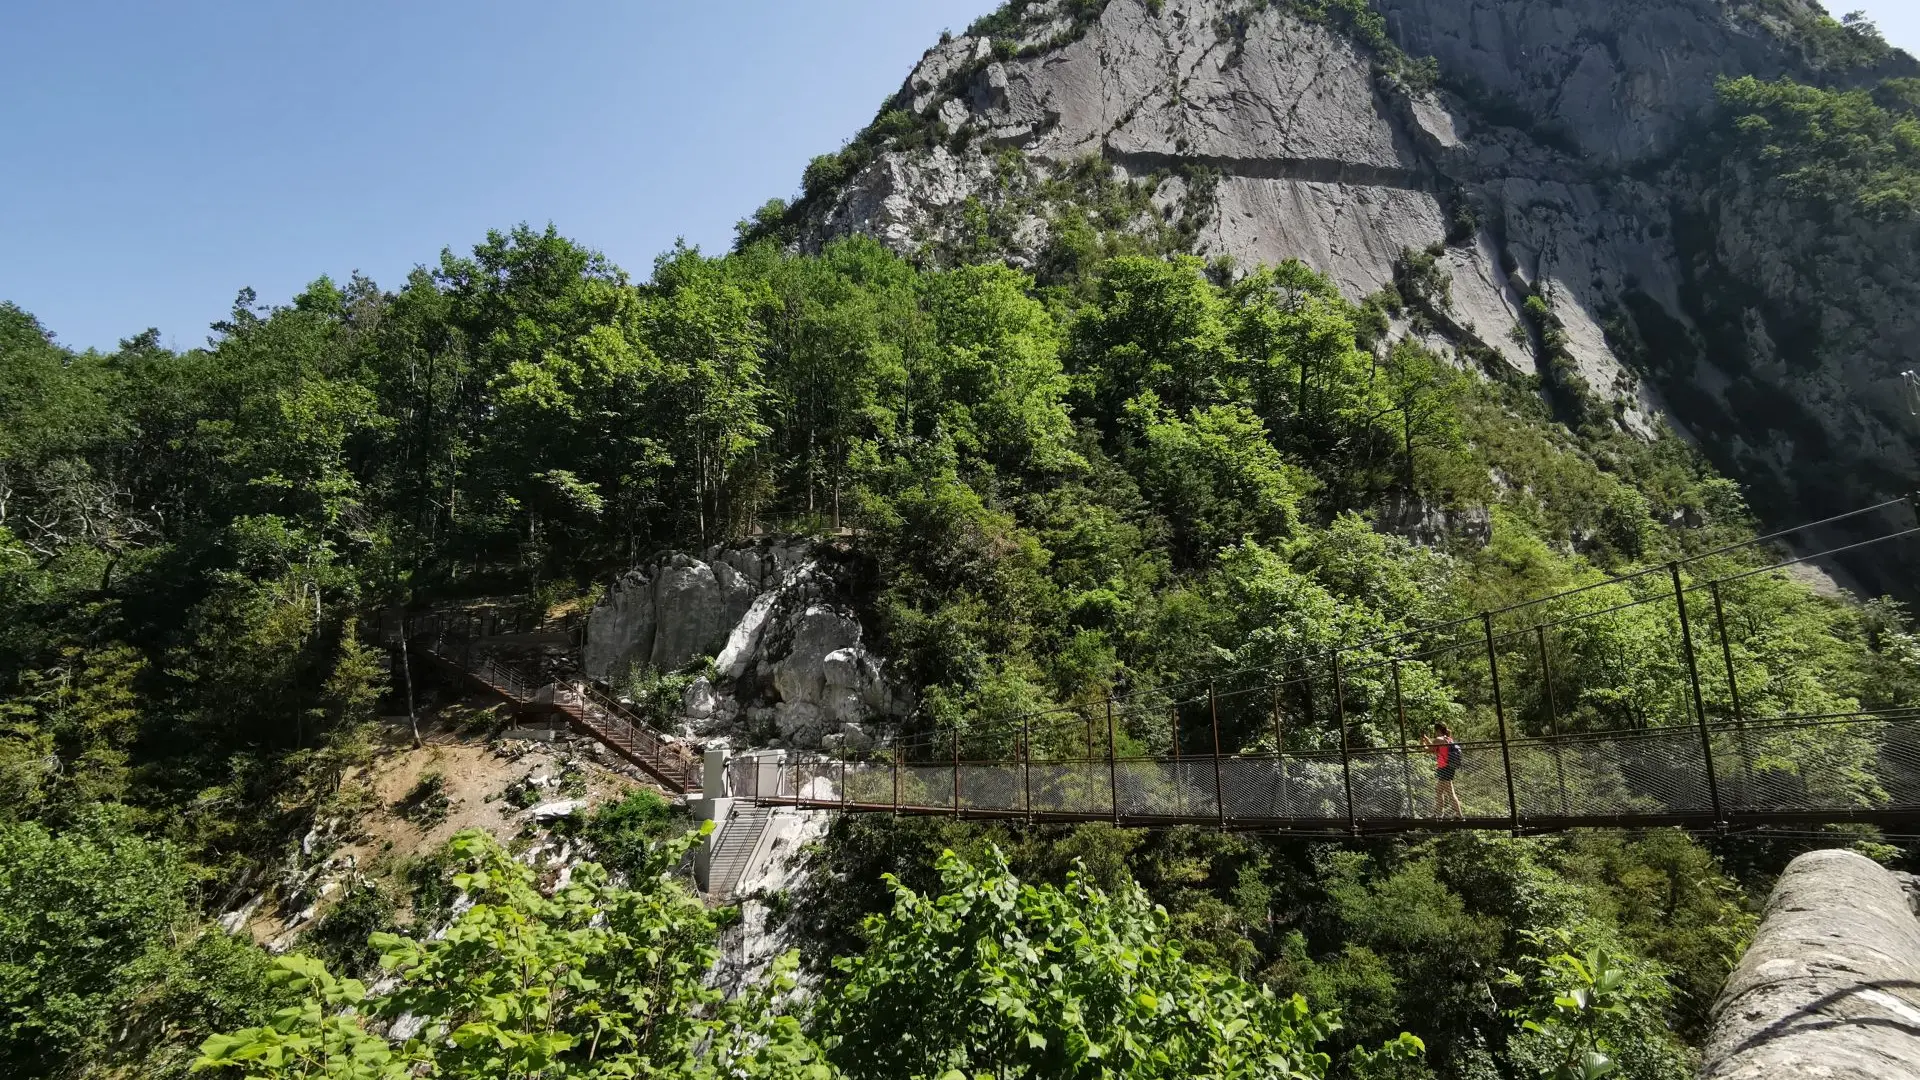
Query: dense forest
{"x": 1117, "y": 469}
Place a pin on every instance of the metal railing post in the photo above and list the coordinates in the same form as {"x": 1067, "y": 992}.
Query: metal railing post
{"x": 1280, "y": 750}
{"x": 1699, "y": 700}
{"x": 896, "y": 782}
{"x": 1406, "y": 754}
{"x": 1553, "y": 718}
{"x": 956, "y": 771}
{"x": 1179, "y": 788}
{"x": 1026, "y": 765}
{"x": 1093, "y": 759}
{"x": 1733, "y": 690}
{"x": 1726, "y": 652}
{"x": 1113, "y": 765}
{"x": 1500, "y": 715}
{"x": 1219, "y": 795}
{"x": 1346, "y": 757}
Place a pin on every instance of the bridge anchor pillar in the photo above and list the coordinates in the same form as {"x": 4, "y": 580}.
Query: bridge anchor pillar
{"x": 713, "y": 806}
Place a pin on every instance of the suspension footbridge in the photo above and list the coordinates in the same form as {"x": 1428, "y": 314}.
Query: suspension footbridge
{"x": 1687, "y": 711}
{"x": 1660, "y": 697}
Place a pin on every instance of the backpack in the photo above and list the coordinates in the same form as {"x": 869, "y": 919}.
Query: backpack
{"x": 1454, "y": 757}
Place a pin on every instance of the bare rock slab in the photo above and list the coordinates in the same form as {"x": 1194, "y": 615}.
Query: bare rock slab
{"x": 1830, "y": 987}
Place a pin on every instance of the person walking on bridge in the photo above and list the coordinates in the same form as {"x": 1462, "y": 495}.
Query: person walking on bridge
{"x": 1446, "y": 759}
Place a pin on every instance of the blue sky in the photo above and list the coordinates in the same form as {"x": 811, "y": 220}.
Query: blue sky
{"x": 161, "y": 156}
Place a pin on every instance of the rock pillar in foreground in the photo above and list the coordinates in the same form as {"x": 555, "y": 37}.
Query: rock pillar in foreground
{"x": 1830, "y": 987}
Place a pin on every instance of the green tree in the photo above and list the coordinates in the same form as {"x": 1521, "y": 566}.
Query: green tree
{"x": 1305, "y": 372}
{"x": 1213, "y": 476}
{"x": 702, "y": 325}
{"x": 1156, "y": 326}
{"x": 1425, "y": 397}
{"x": 84, "y": 924}
{"x": 994, "y": 977}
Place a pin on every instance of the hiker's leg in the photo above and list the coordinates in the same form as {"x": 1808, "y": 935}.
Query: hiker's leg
{"x": 1458, "y": 810}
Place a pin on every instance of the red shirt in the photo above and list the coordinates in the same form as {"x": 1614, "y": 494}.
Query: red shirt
{"x": 1442, "y": 753}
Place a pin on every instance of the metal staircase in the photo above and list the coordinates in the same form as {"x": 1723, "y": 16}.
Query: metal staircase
{"x": 733, "y": 852}
{"x": 616, "y": 727}
{"x": 587, "y": 710}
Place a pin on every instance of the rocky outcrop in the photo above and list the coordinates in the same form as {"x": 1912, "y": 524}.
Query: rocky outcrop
{"x": 1620, "y": 82}
{"x": 1804, "y": 328}
{"x": 790, "y": 663}
{"x": 1561, "y": 154}
{"x": 662, "y": 616}
{"x": 1432, "y": 525}
{"x": 1830, "y": 987}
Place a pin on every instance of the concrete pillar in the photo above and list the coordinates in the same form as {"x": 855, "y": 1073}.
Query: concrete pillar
{"x": 714, "y": 804}
{"x": 1830, "y": 987}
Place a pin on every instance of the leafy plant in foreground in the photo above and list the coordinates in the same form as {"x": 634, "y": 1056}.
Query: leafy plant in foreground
{"x": 590, "y": 981}
{"x": 1574, "y": 998}
{"x": 998, "y": 978}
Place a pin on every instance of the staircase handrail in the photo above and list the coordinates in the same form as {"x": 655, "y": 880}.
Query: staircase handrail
{"x": 645, "y": 739}
{"x": 507, "y": 678}
{"x": 618, "y": 724}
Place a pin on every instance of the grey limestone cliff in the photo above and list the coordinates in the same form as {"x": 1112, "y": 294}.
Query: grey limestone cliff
{"x": 789, "y": 664}
{"x": 1557, "y": 154}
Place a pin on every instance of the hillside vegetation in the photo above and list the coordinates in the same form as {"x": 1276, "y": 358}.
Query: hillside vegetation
{"x": 1125, "y": 469}
{"x": 1060, "y": 491}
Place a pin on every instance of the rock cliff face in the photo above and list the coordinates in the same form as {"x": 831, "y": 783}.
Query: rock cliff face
{"x": 1557, "y": 155}
{"x": 790, "y": 666}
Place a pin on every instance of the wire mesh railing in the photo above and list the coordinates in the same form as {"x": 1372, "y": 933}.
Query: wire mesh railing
{"x": 1840, "y": 769}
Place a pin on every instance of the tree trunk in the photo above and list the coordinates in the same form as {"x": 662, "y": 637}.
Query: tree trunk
{"x": 406, "y": 666}
{"x": 1406, "y": 429}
